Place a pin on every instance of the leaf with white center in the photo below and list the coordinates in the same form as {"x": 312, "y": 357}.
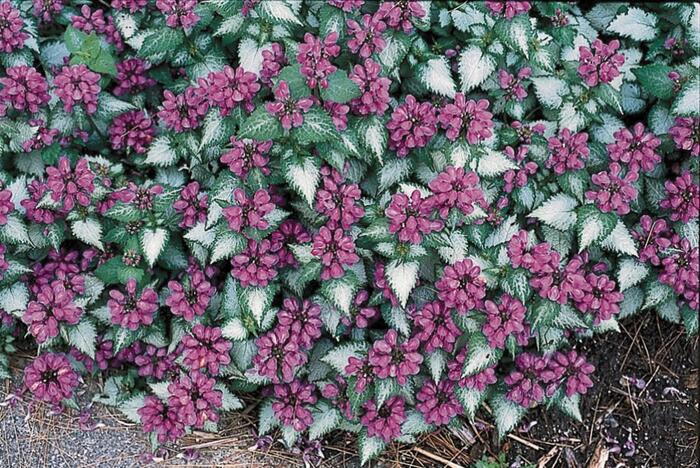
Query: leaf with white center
{"x": 494, "y": 163}
{"x": 632, "y": 302}
{"x": 279, "y": 10}
{"x": 18, "y": 187}
{"x": 257, "y": 300}
{"x": 161, "y": 153}
{"x": 620, "y": 241}
{"x": 436, "y": 361}
{"x": 153, "y": 242}
{"x": 14, "y": 299}
{"x": 503, "y": 233}
{"x": 570, "y": 406}
{"x": 470, "y": 399}
{"x": 131, "y": 407}
{"x": 394, "y": 171}
{"x": 660, "y": 119}
{"x": 326, "y": 419}
{"x": 656, "y": 294}
{"x": 88, "y": 230}
{"x": 686, "y": 104}
{"x": 691, "y": 231}
{"x": 318, "y": 127}
{"x": 160, "y": 389}
{"x": 267, "y": 419}
{"x": 200, "y": 234}
{"x": 452, "y": 247}
{"x": 591, "y": 231}
{"x": 373, "y": 136}
{"x": 126, "y": 25}
{"x": 636, "y": 24}
{"x": 250, "y": 54}
{"x": 339, "y": 355}
{"x": 632, "y": 101}
{"x": 83, "y": 336}
{"x": 397, "y": 319}
{"x": 229, "y": 402}
{"x": 230, "y": 25}
{"x": 303, "y": 175}
{"x": 506, "y": 414}
{"x": 226, "y": 245}
{"x": 14, "y": 231}
{"x": 550, "y": 90}
{"x": 466, "y": 16}
{"x": 340, "y": 293}
{"x": 604, "y": 132}
{"x": 475, "y": 66}
{"x": 397, "y": 45}
{"x": 557, "y": 212}
{"x": 602, "y": 14}
{"x": 669, "y": 311}
{"x": 260, "y": 125}
{"x": 693, "y": 26}
{"x": 437, "y": 77}
{"x": 415, "y": 424}
{"x": 234, "y": 330}
{"x": 479, "y": 355}
{"x": 630, "y": 273}
{"x": 369, "y": 447}
{"x": 402, "y": 278}
{"x": 570, "y": 117}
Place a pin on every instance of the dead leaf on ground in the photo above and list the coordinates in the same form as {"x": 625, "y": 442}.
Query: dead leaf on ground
{"x": 600, "y": 456}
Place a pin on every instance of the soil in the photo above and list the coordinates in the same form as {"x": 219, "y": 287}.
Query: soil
{"x": 646, "y": 392}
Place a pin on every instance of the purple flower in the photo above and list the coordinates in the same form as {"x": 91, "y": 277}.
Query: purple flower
{"x": 132, "y": 310}
{"x": 191, "y": 299}
{"x": 412, "y": 125}
{"x": 435, "y": 327}
{"x": 76, "y": 85}
{"x": 478, "y": 381}
{"x": 4, "y": 266}
{"x": 337, "y": 393}
{"x": 206, "y": 349}
{"x": 503, "y": 320}
{"x": 302, "y": 319}
{"x": 516, "y": 179}
{"x": 184, "y": 111}
{"x": 686, "y": 134}
{"x": 384, "y": 422}
{"x": 289, "y": 111}
{"x": 461, "y": 287}
{"x": 314, "y": 56}
{"x": 525, "y": 132}
{"x": 362, "y": 371}
{"x": 513, "y": 85}
{"x": 637, "y": 150}
{"x": 249, "y": 211}
{"x": 573, "y": 370}
{"x": 334, "y": 249}
{"x": 273, "y": 61}
{"x": 557, "y": 284}
{"x": 681, "y": 271}
{"x": 599, "y": 298}
{"x": 399, "y": 13}
{"x": 437, "y": 402}
{"x": 45, "y": 10}
{"x": 338, "y": 113}
{"x": 95, "y": 22}
{"x": 682, "y": 198}
{"x": 366, "y": 38}
{"x": 338, "y": 200}
{"x": 410, "y": 217}
{"x": 70, "y": 186}
{"x": 192, "y": 206}
{"x": 246, "y": 155}
{"x": 131, "y": 130}
{"x": 160, "y": 418}
{"x": 6, "y": 205}
{"x": 292, "y": 401}
{"x": 347, "y": 5}
{"x": 568, "y": 151}
{"x": 381, "y": 283}
{"x": 616, "y": 192}
{"x": 600, "y": 64}
{"x": 53, "y": 305}
{"x": 24, "y": 88}
{"x": 375, "y": 89}
{"x": 290, "y": 231}
{"x": 469, "y": 116}
{"x": 231, "y": 88}
{"x": 525, "y": 382}
{"x": 255, "y": 266}
{"x": 278, "y": 355}
{"x": 456, "y": 188}
{"x": 360, "y": 313}
{"x": 50, "y": 378}
{"x": 132, "y": 5}
{"x": 11, "y": 35}
{"x": 180, "y": 13}
{"x": 141, "y": 197}
{"x": 654, "y": 237}
{"x": 508, "y": 8}
{"x": 390, "y": 358}
{"x": 156, "y": 362}
{"x": 194, "y": 399}
{"x": 43, "y": 137}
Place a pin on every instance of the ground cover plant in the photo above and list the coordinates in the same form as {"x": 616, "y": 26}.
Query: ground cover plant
{"x": 374, "y": 216}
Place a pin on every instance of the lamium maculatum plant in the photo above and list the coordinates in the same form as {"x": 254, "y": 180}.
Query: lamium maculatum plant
{"x": 375, "y": 216}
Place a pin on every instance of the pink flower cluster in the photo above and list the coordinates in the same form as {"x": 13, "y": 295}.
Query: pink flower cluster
{"x": 600, "y": 63}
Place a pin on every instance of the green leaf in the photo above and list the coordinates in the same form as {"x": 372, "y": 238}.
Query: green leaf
{"x": 340, "y": 88}
{"x": 73, "y": 39}
{"x": 326, "y": 419}
{"x": 83, "y": 336}
{"x": 593, "y": 225}
{"x": 104, "y": 63}
{"x": 369, "y": 447}
{"x": 654, "y": 80}
{"x": 260, "y": 125}
{"x": 295, "y": 81}
{"x": 479, "y": 355}
{"x": 318, "y": 127}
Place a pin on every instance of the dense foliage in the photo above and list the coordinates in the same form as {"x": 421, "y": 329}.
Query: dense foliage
{"x": 375, "y": 216}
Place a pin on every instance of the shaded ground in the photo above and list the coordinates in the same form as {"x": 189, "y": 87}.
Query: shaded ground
{"x": 642, "y": 412}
